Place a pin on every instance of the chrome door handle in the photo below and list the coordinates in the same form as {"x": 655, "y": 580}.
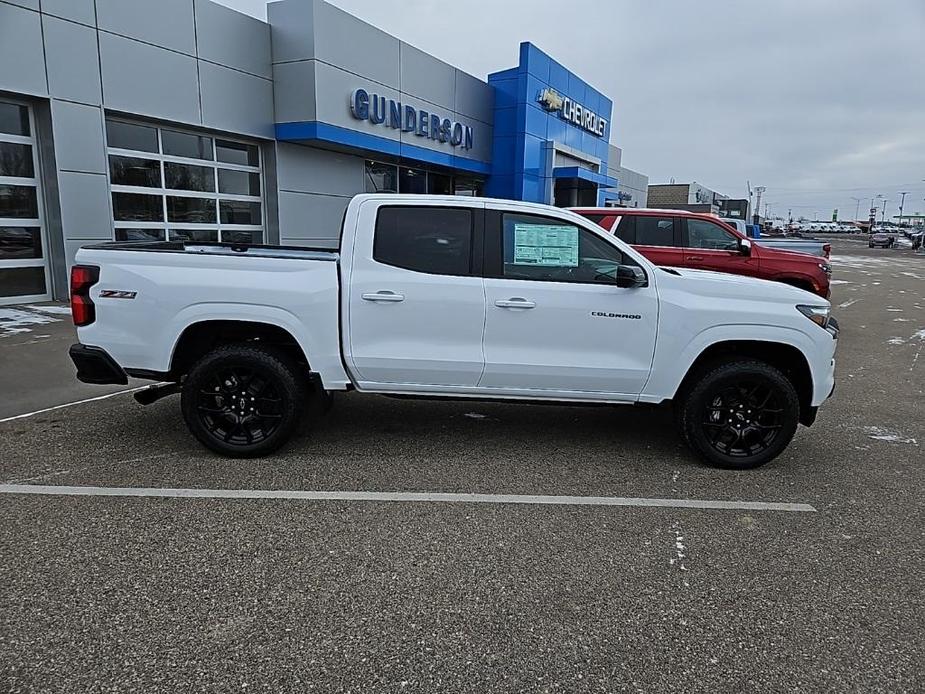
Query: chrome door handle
{"x": 384, "y": 296}
{"x": 695, "y": 257}
{"x": 516, "y": 302}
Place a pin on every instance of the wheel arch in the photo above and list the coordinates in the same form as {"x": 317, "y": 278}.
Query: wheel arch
{"x": 785, "y": 357}
{"x": 201, "y": 337}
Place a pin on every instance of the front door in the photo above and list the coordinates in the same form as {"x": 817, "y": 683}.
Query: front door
{"x": 23, "y": 250}
{"x": 416, "y": 304}
{"x": 708, "y": 246}
{"x": 555, "y": 319}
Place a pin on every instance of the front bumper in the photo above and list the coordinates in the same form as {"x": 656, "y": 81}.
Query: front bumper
{"x": 824, "y": 383}
{"x": 94, "y": 365}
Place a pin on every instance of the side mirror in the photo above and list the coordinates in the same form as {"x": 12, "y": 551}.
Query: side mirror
{"x": 745, "y": 247}
{"x": 630, "y": 276}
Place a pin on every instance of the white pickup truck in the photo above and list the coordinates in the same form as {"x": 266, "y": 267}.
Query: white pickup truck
{"x": 437, "y": 296}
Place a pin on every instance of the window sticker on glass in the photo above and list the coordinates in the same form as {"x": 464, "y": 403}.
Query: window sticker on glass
{"x": 547, "y": 245}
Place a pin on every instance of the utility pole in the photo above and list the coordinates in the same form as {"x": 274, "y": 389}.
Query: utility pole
{"x": 857, "y": 208}
{"x": 750, "y": 208}
{"x": 883, "y": 216}
{"x": 790, "y": 215}
{"x": 901, "y": 203}
{"x": 759, "y": 190}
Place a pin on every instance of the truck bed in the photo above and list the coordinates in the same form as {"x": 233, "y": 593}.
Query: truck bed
{"x": 149, "y": 293}
{"x": 230, "y": 249}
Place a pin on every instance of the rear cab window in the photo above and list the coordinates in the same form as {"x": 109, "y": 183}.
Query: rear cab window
{"x": 649, "y": 230}
{"x": 434, "y": 240}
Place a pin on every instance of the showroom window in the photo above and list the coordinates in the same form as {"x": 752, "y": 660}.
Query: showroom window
{"x": 171, "y": 184}
{"x": 391, "y": 178}
{"x": 23, "y": 251}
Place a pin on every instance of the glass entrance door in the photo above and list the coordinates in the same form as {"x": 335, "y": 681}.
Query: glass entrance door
{"x": 23, "y": 251}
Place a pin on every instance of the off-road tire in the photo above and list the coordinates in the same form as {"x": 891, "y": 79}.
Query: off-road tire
{"x": 272, "y": 372}
{"x": 695, "y": 407}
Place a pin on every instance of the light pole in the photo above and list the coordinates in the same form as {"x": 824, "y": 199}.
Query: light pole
{"x": 901, "y": 203}
{"x": 883, "y": 216}
{"x": 857, "y": 208}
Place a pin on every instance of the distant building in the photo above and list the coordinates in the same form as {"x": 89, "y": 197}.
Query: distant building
{"x": 632, "y": 187}
{"x": 734, "y": 209}
{"x": 692, "y": 197}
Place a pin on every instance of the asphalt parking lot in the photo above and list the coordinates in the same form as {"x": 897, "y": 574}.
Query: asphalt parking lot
{"x": 168, "y": 594}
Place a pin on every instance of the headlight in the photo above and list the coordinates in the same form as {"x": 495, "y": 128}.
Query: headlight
{"x": 826, "y": 268}
{"x": 817, "y": 314}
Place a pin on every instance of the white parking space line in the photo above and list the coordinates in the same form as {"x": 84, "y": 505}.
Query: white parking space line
{"x": 71, "y": 404}
{"x": 414, "y": 497}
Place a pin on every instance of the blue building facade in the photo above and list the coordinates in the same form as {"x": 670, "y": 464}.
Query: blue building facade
{"x": 551, "y": 134}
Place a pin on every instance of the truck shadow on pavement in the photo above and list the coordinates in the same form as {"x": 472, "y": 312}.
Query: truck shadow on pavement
{"x": 364, "y": 442}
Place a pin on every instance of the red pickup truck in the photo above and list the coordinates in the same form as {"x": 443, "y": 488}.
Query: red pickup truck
{"x": 699, "y": 241}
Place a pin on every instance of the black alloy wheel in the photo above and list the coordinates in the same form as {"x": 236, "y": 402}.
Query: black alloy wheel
{"x": 744, "y": 419}
{"x": 240, "y": 406}
{"x": 739, "y": 415}
{"x": 244, "y": 400}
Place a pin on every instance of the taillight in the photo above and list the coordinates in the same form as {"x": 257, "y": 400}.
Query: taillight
{"x": 827, "y": 249}
{"x": 82, "y": 278}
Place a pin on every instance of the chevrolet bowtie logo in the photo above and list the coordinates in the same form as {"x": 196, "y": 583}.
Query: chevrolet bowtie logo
{"x": 550, "y": 99}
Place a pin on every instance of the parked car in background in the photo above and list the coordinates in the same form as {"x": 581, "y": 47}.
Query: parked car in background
{"x": 787, "y": 243}
{"x": 880, "y": 239}
{"x": 676, "y": 238}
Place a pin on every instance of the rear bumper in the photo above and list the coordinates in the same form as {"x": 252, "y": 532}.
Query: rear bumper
{"x": 94, "y": 365}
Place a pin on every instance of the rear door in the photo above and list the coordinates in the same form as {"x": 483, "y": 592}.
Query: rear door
{"x": 658, "y": 238}
{"x": 555, "y": 319}
{"x": 415, "y": 297}
{"x": 709, "y": 246}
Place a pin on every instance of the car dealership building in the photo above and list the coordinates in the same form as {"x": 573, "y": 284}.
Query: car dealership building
{"x": 183, "y": 119}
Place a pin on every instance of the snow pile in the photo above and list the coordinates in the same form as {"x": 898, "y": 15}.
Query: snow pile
{"x": 14, "y": 321}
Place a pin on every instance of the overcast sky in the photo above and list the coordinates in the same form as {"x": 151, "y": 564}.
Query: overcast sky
{"x": 818, "y": 100}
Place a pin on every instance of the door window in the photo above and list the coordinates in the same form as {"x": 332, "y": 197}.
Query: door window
{"x": 709, "y": 236}
{"x": 541, "y": 248}
{"x": 435, "y": 240}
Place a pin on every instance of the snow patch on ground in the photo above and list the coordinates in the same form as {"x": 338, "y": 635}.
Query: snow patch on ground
{"x": 475, "y": 415}
{"x": 896, "y": 341}
{"x": 680, "y": 549}
{"x": 919, "y": 334}
{"x": 912, "y": 275}
{"x": 16, "y": 321}
{"x": 895, "y": 310}
{"x": 902, "y": 320}
{"x": 846, "y": 304}
{"x": 840, "y": 282}
{"x": 881, "y": 434}
{"x": 53, "y": 310}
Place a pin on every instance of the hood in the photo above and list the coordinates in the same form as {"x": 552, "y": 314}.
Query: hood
{"x": 722, "y": 285}
{"x": 789, "y": 254}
